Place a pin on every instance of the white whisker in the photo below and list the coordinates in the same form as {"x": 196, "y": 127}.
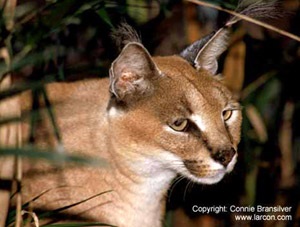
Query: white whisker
{"x": 186, "y": 189}
{"x": 176, "y": 182}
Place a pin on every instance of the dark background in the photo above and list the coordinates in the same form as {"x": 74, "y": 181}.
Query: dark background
{"x": 70, "y": 40}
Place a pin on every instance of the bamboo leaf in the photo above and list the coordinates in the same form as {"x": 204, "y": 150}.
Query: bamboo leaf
{"x": 12, "y": 213}
{"x": 105, "y": 17}
{"x": 18, "y": 88}
{"x": 54, "y": 212}
{"x": 51, "y": 155}
{"x": 51, "y": 115}
{"x": 10, "y": 120}
{"x": 11, "y": 216}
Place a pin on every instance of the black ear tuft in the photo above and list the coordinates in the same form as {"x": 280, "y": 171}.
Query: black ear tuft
{"x": 124, "y": 34}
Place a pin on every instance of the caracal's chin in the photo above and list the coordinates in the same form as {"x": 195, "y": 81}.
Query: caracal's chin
{"x": 208, "y": 172}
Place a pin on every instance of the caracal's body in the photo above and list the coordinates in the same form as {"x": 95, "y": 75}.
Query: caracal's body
{"x": 155, "y": 118}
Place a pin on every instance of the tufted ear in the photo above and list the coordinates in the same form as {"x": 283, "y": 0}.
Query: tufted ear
{"x": 204, "y": 53}
{"x": 131, "y": 74}
{"x": 208, "y": 55}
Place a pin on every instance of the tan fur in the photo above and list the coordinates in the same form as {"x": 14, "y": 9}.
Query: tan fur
{"x": 143, "y": 152}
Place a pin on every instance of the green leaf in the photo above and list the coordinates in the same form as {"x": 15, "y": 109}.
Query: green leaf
{"x": 51, "y": 114}
{"x": 10, "y": 120}
{"x": 105, "y": 17}
{"x": 51, "y": 155}
{"x": 18, "y": 88}
{"x": 12, "y": 214}
{"x": 56, "y": 211}
{"x": 33, "y": 59}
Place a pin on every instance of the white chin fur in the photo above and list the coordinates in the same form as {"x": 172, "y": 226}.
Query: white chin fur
{"x": 208, "y": 180}
{"x": 218, "y": 173}
{"x": 218, "y": 170}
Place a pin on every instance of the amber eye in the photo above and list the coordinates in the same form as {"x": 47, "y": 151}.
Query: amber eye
{"x": 227, "y": 114}
{"x": 180, "y": 125}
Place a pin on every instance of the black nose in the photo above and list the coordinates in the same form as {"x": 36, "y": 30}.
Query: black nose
{"x": 224, "y": 156}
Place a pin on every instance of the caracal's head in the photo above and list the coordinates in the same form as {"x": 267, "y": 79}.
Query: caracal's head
{"x": 174, "y": 111}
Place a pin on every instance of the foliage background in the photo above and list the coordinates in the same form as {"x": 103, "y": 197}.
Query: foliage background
{"x": 47, "y": 40}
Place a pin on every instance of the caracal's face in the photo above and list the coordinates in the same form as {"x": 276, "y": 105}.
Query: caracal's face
{"x": 189, "y": 122}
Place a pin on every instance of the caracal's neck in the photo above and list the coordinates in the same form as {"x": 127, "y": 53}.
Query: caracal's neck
{"x": 140, "y": 185}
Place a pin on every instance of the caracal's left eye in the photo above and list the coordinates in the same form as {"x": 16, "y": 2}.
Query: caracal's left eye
{"x": 227, "y": 114}
{"x": 180, "y": 125}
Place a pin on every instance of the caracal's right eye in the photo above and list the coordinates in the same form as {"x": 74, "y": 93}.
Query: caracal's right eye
{"x": 227, "y": 114}
{"x": 180, "y": 125}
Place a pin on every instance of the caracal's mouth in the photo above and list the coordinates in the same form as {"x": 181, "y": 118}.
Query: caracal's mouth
{"x": 199, "y": 171}
{"x": 209, "y": 172}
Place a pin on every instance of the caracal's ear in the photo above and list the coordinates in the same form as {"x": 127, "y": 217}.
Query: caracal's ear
{"x": 131, "y": 74}
{"x": 204, "y": 53}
